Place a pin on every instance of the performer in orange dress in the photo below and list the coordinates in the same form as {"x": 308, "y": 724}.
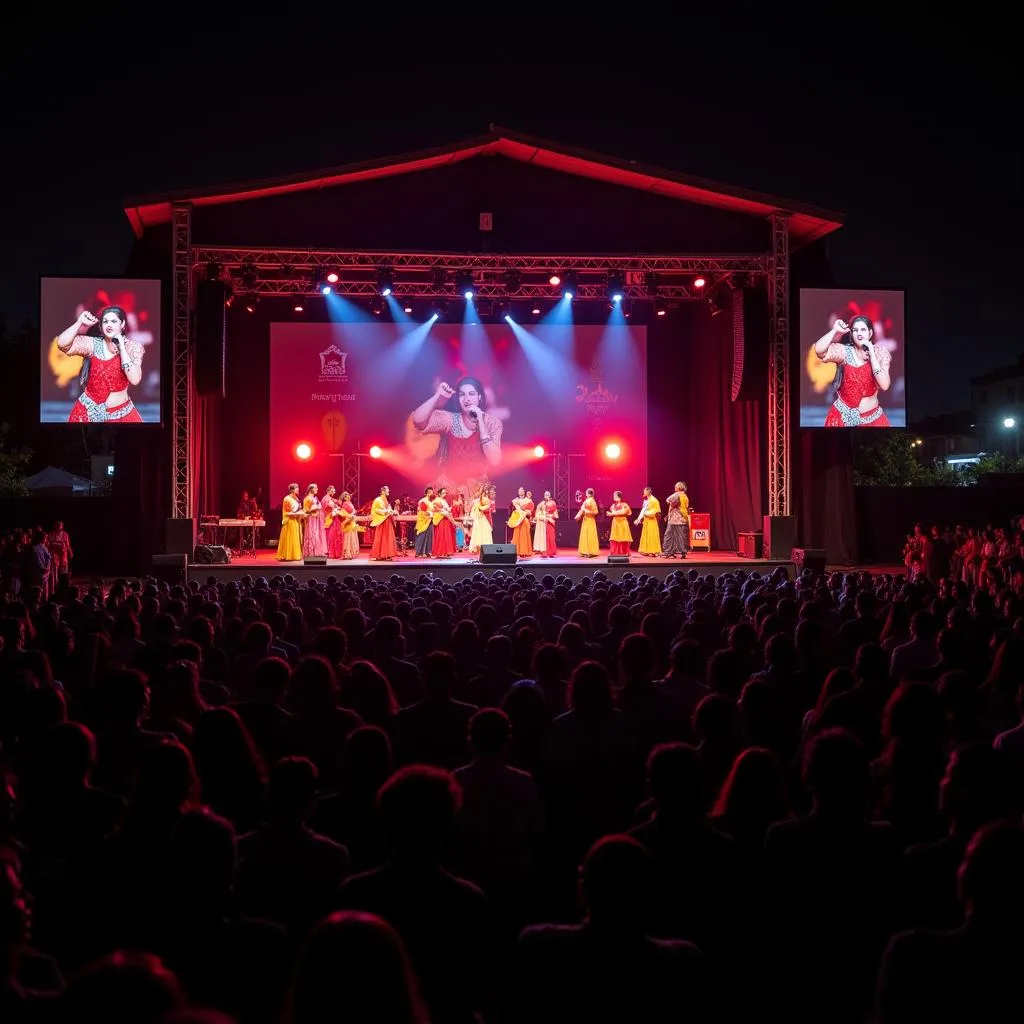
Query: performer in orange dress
{"x": 621, "y": 538}
{"x": 382, "y": 519}
{"x": 519, "y": 523}
{"x": 862, "y": 370}
{"x": 589, "y": 547}
{"x": 444, "y": 525}
{"x": 425, "y": 524}
{"x": 112, "y": 363}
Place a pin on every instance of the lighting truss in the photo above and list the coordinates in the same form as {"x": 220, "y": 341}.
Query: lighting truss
{"x": 779, "y": 479}
{"x": 183, "y": 392}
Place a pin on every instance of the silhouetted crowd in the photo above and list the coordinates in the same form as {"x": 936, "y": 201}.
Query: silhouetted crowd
{"x": 513, "y": 799}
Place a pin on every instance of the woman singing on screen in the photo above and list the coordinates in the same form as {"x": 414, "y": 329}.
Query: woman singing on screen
{"x": 466, "y": 442}
{"x": 112, "y": 363}
{"x": 862, "y": 370}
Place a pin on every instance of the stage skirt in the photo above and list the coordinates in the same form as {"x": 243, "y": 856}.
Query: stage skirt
{"x": 589, "y": 546}
{"x": 522, "y": 539}
{"x": 350, "y": 544}
{"x": 384, "y": 547}
{"x": 482, "y": 533}
{"x": 444, "y": 539}
{"x": 289, "y": 544}
{"x": 650, "y": 537}
{"x": 425, "y": 542}
{"x": 314, "y": 542}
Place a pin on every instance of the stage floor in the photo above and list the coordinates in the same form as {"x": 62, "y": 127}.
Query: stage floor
{"x": 567, "y": 562}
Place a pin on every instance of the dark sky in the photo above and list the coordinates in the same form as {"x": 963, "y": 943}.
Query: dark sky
{"x": 913, "y": 137}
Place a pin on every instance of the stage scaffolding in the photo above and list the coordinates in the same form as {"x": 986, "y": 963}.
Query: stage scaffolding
{"x": 300, "y": 272}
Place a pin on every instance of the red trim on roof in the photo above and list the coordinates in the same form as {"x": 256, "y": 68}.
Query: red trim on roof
{"x": 806, "y": 223}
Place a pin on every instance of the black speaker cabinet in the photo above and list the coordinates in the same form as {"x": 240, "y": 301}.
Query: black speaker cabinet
{"x": 211, "y": 554}
{"x": 169, "y": 568}
{"x": 618, "y": 559}
{"x": 180, "y": 537}
{"x": 809, "y": 558}
{"x": 315, "y": 560}
{"x": 778, "y": 535}
{"x": 498, "y": 554}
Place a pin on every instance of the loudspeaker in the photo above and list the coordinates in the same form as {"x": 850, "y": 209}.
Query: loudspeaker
{"x": 315, "y": 560}
{"x": 208, "y": 338}
{"x": 211, "y": 554}
{"x": 749, "y": 343}
{"x": 169, "y": 568}
{"x": 778, "y": 536}
{"x": 180, "y": 536}
{"x": 498, "y": 554}
{"x": 618, "y": 559}
{"x": 809, "y": 558}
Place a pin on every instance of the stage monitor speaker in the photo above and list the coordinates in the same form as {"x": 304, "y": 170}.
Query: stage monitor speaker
{"x": 211, "y": 554}
{"x": 749, "y": 343}
{"x": 180, "y": 536}
{"x": 618, "y": 559}
{"x": 315, "y": 560}
{"x": 778, "y": 536}
{"x": 809, "y": 558}
{"x": 498, "y": 554}
{"x": 209, "y": 338}
{"x": 169, "y": 568}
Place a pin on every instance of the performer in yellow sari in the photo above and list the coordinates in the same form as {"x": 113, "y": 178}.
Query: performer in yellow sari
{"x": 425, "y": 524}
{"x": 650, "y": 537}
{"x": 620, "y": 537}
{"x": 481, "y": 532}
{"x": 519, "y": 524}
{"x": 289, "y": 544}
{"x": 587, "y": 518}
{"x": 382, "y": 520}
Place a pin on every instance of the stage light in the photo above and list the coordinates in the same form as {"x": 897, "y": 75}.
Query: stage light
{"x": 612, "y": 450}
{"x": 535, "y": 311}
{"x": 699, "y": 281}
{"x": 303, "y": 451}
{"x": 660, "y": 309}
{"x": 249, "y": 277}
{"x": 464, "y": 284}
{"x": 616, "y": 287}
{"x": 326, "y": 289}
{"x": 408, "y": 309}
{"x": 375, "y": 452}
{"x": 513, "y": 280}
{"x": 385, "y": 281}
{"x": 1009, "y": 423}
{"x": 554, "y": 280}
{"x": 213, "y": 271}
{"x": 332, "y": 277}
{"x": 570, "y": 285}
{"x": 298, "y": 308}
{"x": 538, "y": 451}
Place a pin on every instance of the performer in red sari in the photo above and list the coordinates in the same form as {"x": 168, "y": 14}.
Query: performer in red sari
{"x": 382, "y": 519}
{"x": 862, "y": 370}
{"x": 621, "y": 537}
{"x": 111, "y": 364}
{"x": 547, "y": 508}
{"x": 444, "y": 526}
{"x": 332, "y": 523}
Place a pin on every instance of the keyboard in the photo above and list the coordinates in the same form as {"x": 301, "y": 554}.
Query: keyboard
{"x": 242, "y": 522}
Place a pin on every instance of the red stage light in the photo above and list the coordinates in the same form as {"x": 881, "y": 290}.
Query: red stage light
{"x": 298, "y": 309}
{"x": 554, "y": 280}
{"x": 303, "y": 451}
{"x": 699, "y": 281}
{"x": 538, "y": 451}
{"x": 375, "y": 452}
{"x": 332, "y": 277}
{"x": 612, "y": 450}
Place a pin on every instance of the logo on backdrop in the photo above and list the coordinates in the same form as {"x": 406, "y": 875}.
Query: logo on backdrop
{"x": 596, "y": 397}
{"x": 333, "y": 364}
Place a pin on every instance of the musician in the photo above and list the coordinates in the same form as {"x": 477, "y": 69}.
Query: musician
{"x": 425, "y": 524}
{"x": 444, "y": 525}
{"x": 382, "y": 519}
{"x": 289, "y": 545}
{"x": 248, "y": 508}
{"x": 346, "y": 514}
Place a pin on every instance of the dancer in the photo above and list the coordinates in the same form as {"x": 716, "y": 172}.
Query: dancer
{"x": 459, "y": 514}
{"x": 862, "y": 371}
{"x": 346, "y": 513}
{"x": 332, "y": 522}
{"x": 677, "y": 523}
{"x": 444, "y": 525}
{"x": 481, "y": 532}
{"x": 650, "y": 512}
{"x": 621, "y": 538}
{"x": 424, "y": 524}
{"x": 314, "y": 539}
{"x": 382, "y": 519}
{"x": 289, "y": 544}
{"x": 549, "y": 509}
{"x": 587, "y": 518}
{"x": 519, "y": 522}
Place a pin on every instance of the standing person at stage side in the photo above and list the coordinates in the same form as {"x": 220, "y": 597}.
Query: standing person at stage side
{"x": 332, "y": 522}
{"x": 862, "y": 370}
{"x": 382, "y": 519}
{"x": 289, "y": 544}
{"x": 549, "y": 509}
{"x": 481, "y": 533}
{"x": 519, "y": 523}
{"x": 58, "y": 543}
{"x": 587, "y": 518}
{"x": 425, "y": 524}
{"x": 346, "y": 515}
{"x": 444, "y": 525}
{"x": 459, "y": 514}
{"x": 620, "y": 538}
{"x": 677, "y": 523}
{"x": 314, "y": 539}
{"x": 650, "y": 513}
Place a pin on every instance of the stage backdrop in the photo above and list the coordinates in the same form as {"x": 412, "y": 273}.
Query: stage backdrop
{"x": 348, "y": 387}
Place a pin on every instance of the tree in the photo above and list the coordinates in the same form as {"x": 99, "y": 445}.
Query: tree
{"x": 886, "y": 459}
{"x": 13, "y": 461}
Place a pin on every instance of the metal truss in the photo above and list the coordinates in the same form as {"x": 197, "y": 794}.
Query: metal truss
{"x": 779, "y": 479}
{"x": 183, "y": 393}
{"x": 350, "y": 476}
{"x": 561, "y": 482}
{"x": 296, "y": 272}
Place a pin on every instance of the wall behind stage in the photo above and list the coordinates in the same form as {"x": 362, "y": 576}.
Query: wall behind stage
{"x": 343, "y": 387}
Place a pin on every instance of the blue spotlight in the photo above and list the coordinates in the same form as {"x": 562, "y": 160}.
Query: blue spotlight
{"x": 385, "y": 281}
{"x": 326, "y": 289}
{"x": 464, "y": 284}
{"x": 570, "y": 285}
{"x": 616, "y": 287}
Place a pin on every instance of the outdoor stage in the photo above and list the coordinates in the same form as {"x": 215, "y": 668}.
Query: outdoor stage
{"x": 567, "y": 563}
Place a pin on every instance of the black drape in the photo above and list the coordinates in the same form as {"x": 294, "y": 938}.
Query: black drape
{"x": 823, "y": 494}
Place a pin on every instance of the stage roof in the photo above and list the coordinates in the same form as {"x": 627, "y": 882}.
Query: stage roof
{"x": 807, "y": 223}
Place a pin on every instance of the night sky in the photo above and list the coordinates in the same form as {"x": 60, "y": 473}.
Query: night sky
{"x": 914, "y": 137}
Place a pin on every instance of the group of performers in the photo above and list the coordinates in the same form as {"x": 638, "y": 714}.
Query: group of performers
{"x": 328, "y": 527}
